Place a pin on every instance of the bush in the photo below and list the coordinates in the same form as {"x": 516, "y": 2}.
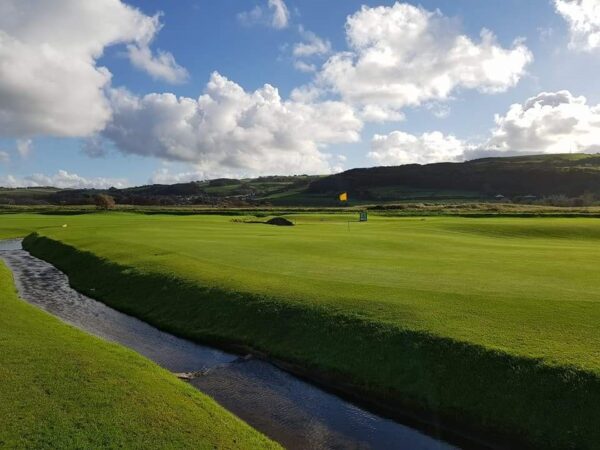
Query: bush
{"x": 104, "y": 201}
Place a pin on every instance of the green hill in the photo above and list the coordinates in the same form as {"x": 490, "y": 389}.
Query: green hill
{"x": 540, "y": 175}
{"x": 221, "y": 191}
{"x": 515, "y": 178}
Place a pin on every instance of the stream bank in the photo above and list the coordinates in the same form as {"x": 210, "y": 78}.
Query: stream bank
{"x": 285, "y": 408}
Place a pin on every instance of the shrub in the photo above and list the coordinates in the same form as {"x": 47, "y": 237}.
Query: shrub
{"x": 104, "y": 201}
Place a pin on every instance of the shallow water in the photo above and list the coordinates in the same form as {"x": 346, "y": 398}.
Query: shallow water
{"x": 285, "y": 408}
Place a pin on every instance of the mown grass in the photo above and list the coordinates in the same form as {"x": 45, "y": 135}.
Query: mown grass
{"x": 428, "y": 208}
{"x": 488, "y": 322}
{"x": 61, "y": 388}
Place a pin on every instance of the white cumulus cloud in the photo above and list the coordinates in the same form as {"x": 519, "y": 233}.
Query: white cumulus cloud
{"x": 277, "y": 15}
{"x": 61, "y": 179}
{"x": 230, "y": 130}
{"x": 281, "y": 14}
{"x": 305, "y": 67}
{"x": 550, "y": 122}
{"x": 583, "y": 18}
{"x": 161, "y": 66}
{"x": 165, "y": 176}
{"x": 404, "y": 55}
{"x": 50, "y": 82}
{"x": 311, "y": 45}
{"x": 399, "y": 147}
{"x": 4, "y": 157}
{"x": 310, "y": 48}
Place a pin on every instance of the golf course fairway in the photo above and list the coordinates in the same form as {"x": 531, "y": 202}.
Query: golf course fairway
{"x": 488, "y": 323}
{"x": 62, "y": 388}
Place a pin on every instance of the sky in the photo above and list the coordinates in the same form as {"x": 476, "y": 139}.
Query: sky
{"x": 130, "y": 92}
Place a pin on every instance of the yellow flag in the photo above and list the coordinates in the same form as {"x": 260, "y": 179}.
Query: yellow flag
{"x": 344, "y": 197}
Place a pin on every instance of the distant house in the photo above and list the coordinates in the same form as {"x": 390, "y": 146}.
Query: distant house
{"x": 499, "y": 197}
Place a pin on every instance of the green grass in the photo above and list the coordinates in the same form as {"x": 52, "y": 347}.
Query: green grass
{"x": 62, "y": 388}
{"x": 489, "y": 322}
{"x": 439, "y": 207}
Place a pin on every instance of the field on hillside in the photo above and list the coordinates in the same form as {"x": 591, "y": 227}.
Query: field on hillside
{"x": 513, "y": 297}
{"x": 62, "y": 388}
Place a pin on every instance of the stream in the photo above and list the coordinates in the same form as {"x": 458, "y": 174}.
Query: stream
{"x": 289, "y": 410}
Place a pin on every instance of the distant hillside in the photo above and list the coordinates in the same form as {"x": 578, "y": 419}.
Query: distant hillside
{"x": 222, "y": 191}
{"x": 543, "y": 175}
{"x": 523, "y": 178}
{"x": 26, "y": 196}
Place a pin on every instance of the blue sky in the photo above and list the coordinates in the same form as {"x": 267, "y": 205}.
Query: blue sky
{"x": 546, "y": 44}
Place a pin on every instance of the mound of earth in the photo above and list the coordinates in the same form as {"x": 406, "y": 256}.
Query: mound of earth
{"x": 280, "y": 221}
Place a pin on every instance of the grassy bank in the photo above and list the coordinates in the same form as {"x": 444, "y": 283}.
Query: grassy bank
{"x": 62, "y": 388}
{"x": 491, "y": 323}
{"x": 460, "y": 208}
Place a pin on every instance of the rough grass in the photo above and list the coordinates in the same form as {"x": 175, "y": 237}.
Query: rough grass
{"x": 62, "y": 388}
{"x": 439, "y": 207}
{"x": 488, "y": 322}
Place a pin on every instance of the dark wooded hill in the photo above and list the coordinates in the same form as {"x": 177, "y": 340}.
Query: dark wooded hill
{"x": 542, "y": 175}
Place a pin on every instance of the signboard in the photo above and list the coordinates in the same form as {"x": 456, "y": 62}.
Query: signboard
{"x": 363, "y": 216}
